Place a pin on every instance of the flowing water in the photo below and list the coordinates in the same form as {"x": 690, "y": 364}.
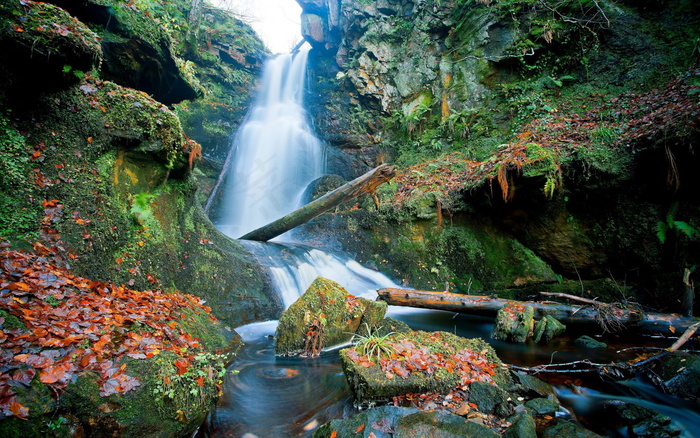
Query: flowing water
{"x": 276, "y": 156}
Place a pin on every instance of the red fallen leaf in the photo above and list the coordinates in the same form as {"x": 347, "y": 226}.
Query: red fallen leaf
{"x": 200, "y": 381}
{"x": 18, "y": 410}
{"x": 24, "y": 376}
{"x": 52, "y": 374}
{"x": 359, "y": 428}
{"x": 181, "y": 365}
{"x": 334, "y": 434}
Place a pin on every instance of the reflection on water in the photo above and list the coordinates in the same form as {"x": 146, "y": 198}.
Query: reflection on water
{"x": 278, "y": 396}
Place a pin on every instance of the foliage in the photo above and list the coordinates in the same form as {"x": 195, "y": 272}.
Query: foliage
{"x": 73, "y": 325}
{"x": 18, "y": 218}
{"x": 372, "y": 345}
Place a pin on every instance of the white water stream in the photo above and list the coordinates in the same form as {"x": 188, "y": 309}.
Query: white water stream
{"x": 276, "y": 156}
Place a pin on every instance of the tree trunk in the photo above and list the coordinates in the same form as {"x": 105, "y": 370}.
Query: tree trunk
{"x": 366, "y": 183}
{"x": 664, "y": 324}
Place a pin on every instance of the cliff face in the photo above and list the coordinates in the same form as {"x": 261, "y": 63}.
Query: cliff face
{"x": 567, "y": 126}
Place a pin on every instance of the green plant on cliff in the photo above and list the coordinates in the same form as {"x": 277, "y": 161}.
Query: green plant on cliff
{"x": 17, "y": 217}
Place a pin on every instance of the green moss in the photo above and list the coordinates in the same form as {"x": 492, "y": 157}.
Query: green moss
{"x": 11, "y": 322}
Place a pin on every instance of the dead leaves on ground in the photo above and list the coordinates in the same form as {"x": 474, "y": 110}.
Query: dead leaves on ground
{"x": 75, "y": 325}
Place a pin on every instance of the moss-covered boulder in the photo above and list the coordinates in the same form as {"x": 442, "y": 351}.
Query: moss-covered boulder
{"x": 514, "y": 323}
{"x": 418, "y": 362}
{"x": 395, "y": 422}
{"x": 118, "y": 165}
{"x": 44, "y": 47}
{"x": 335, "y": 315}
{"x": 137, "y": 50}
{"x": 586, "y": 341}
{"x": 547, "y": 328}
{"x": 567, "y": 429}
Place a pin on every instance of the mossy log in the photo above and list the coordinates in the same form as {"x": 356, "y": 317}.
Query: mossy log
{"x": 633, "y": 320}
{"x": 366, "y": 183}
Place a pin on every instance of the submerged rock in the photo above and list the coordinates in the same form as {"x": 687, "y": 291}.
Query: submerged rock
{"x": 586, "y": 341}
{"x": 335, "y": 315}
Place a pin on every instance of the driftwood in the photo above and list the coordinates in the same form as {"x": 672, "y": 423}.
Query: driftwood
{"x": 366, "y": 183}
{"x": 651, "y": 323}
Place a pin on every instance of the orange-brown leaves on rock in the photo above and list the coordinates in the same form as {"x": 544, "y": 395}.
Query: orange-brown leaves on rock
{"x": 74, "y": 325}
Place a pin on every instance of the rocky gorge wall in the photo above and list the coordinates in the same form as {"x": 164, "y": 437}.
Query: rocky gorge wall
{"x": 566, "y": 128}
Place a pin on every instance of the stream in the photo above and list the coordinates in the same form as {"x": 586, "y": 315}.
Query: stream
{"x": 275, "y": 156}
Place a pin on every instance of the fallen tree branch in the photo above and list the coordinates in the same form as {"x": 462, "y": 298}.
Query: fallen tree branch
{"x": 366, "y": 183}
{"x": 633, "y": 320}
{"x": 690, "y": 331}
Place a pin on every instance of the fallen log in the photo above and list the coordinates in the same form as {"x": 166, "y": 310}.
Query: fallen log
{"x": 366, "y": 183}
{"x": 649, "y": 323}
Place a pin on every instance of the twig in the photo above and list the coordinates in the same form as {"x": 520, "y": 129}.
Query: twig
{"x": 572, "y": 297}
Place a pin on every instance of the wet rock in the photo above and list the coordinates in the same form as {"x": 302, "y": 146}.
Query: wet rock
{"x": 396, "y": 422}
{"x": 542, "y": 406}
{"x": 530, "y": 385}
{"x": 586, "y": 341}
{"x": 490, "y": 399}
{"x": 371, "y": 384}
{"x": 644, "y": 422}
{"x": 547, "y": 328}
{"x": 321, "y": 186}
{"x": 567, "y": 429}
{"x": 681, "y": 373}
{"x": 328, "y": 305}
{"x": 523, "y": 426}
{"x": 514, "y": 323}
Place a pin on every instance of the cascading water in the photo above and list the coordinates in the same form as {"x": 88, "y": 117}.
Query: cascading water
{"x": 277, "y": 154}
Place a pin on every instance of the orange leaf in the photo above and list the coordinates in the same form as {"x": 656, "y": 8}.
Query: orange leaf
{"x": 200, "y": 381}
{"x": 359, "y": 428}
{"x": 334, "y": 434}
{"x": 89, "y": 139}
{"x": 18, "y": 410}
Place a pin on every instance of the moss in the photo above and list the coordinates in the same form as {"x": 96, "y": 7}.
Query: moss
{"x": 11, "y": 322}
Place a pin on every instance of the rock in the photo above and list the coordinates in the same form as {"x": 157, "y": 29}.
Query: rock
{"x": 321, "y": 186}
{"x": 567, "y": 429}
{"x": 586, "y": 341}
{"x": 313, "y": 29}
{"x": 542, "y": 406}
{"x": 681, "y": 373}
{"x": 396, "y": 422}
{"x": 547, "y": 328}
{"x": 44, "y": 48}
{"x": 371, "y": 384}
{"x": 642, "y": 421}
{"x": 513, "y": 323}
{"x": 339, "y": 313}
{"x": 528, "y": 385}
{"x": 440, "y": 424}
{"x": 137, "y": 51}
{"x": 523, "y": 426}
{"x": 490, "y": 399}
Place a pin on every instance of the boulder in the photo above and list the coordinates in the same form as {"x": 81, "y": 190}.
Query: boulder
{"x": 44, "y": 48}
{"x": 425, "y": 363}
{"x": 586, "y": 341}
{"x": 335, "y": 314}
{"x": 681, "y": 374}
{"x": 397, "y": 422}
{"x": 567, "y": 429}
{"x": 137, "y": 50}
{"x": 522, "y": 426}
{"x": 514, "y": 323}
{"x": 547, "y": 328}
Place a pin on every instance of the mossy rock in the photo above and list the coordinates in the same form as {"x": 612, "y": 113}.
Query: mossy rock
{"x": 522, "y": 426}
{"x": 542, "y": 406}
{"x": 681, "y": 372}
{"x": 547, "y": 328}
{"x": 341, "y": 314}
{"x": 370, "y": 383}
{"x": 490, "y": 399}
{"x": 528, "y": 386}
{"x": 44, "y": 48}
{"x": 397, "y": 422}
{"x": 567, "y": 429}
{"x": 514, "y": 323}
{"x": 586, "y": 341}
{"x": 164, "y": 404}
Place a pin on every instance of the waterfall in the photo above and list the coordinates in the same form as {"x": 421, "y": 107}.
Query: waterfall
{"x": 276, "y": 152}
{"x": 276, "y": 156}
